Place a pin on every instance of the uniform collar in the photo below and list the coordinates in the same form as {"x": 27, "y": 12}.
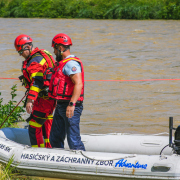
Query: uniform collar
{"x": 70, "y": 56}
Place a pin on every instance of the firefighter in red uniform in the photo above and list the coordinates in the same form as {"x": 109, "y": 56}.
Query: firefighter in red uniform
{"x": 36, "y": 76}
{"x": 67, "y": 87}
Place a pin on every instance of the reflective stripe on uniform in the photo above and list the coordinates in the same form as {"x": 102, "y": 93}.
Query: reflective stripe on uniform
{"x": 36, "y": 89}
{"x": 50, "y": 117}
{"x": 35, "y": 146}
{"x": 36, "y": 74}
{"x": 42, "y": 145}
{"x": 49, "y": 54}
{"x": 70, "y": 59}
{"x": 46, "y": 140}
{"x": 35, "y": 124}
{"x": 43, "y": 61}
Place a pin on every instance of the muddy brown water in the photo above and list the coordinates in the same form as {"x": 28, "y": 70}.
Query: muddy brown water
{"x": 110, "y": 50}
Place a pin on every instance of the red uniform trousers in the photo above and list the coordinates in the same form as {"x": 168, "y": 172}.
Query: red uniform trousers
{"x": 40, "y": 122}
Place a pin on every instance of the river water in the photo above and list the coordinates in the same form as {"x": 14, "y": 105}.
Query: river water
{"x": 116, "y": 50}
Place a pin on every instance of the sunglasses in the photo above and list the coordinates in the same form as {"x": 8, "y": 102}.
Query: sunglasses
{"x": 20, "y": 52}
{"x": 23, "y": 48}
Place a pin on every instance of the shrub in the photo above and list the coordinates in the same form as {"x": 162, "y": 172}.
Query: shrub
{"x": 6, "y": 109}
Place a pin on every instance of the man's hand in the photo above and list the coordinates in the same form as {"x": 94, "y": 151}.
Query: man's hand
{"x": 70, "y": 111}
{"x": 29, "y": 106}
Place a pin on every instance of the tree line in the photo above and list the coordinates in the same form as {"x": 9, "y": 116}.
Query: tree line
{"x": 93, "y": 9}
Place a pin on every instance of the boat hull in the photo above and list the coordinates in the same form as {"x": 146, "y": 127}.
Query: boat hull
{"x": 75, "y": 164}
{"x": 114, "y": 142}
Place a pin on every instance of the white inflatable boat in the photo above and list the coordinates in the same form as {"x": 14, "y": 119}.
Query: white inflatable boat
{"x": 107, "y": 156}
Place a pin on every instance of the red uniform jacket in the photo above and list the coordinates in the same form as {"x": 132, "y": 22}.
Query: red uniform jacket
{"x": 36, "y": 71}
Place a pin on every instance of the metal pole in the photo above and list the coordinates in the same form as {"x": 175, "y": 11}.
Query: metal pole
{"x": 170, "y": 130}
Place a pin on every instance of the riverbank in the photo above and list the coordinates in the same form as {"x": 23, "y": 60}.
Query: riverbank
{"x": 8, "y": 173}
{"x": 93, "y": 9}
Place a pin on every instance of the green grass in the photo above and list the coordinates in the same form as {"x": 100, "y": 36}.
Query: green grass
{"x": 9, "y": 172}
{"x": 93, "y": 9}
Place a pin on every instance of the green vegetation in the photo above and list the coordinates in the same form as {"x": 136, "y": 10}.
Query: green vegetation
{"x": 94, "y": 9}
{"x": 9, "y": 172}
{"x": 6, "y": 171}
{"x": 5, "y": 110}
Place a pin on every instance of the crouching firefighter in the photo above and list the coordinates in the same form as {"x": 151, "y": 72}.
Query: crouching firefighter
{"x": 36, "y": 69}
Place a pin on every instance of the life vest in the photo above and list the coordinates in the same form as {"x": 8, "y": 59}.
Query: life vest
{"x": 61, "y": 86}
{"x": 47, "y": 72}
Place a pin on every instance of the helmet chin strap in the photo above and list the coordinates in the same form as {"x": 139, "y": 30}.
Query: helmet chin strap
{"x": 64, "y": 50}
{"x": 30, "y": 50}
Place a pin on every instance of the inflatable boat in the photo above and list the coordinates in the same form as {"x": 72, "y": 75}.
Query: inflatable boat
{"x": 107, "y": 156}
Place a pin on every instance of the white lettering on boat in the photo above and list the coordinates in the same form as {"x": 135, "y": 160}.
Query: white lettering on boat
{"x": 65, "y": 159}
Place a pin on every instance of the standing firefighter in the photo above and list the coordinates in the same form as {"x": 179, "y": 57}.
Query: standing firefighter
{"x": 67, "y": 87}
{"x": 36, "y": 76}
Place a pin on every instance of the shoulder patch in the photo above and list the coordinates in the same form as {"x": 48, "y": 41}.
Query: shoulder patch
{"x": 73, "y": 69}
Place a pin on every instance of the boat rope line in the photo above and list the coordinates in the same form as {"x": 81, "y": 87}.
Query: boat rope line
{"x": 9, "y": 78}
{"x": 163, "y": 149}
{"x": 111, "y": 80}
{"x": 94, "y": 159}
{"x": 138, "y": 80}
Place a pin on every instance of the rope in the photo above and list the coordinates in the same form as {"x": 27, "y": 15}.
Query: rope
{"x": 139, "y": 80}
{"x": 163, "y": 149}
{"x": 125, "y": 157}
{"x": 118, "y": 80}
{"x": 9, "y": 78}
